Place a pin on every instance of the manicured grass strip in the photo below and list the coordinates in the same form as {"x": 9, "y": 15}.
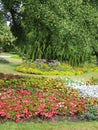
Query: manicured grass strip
{"x": 50, "y": 126}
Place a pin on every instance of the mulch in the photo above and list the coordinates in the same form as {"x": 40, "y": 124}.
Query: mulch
{"x": 55, "y": 119}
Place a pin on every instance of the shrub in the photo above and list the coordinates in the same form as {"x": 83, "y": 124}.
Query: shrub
{"x": 91, "y": 114}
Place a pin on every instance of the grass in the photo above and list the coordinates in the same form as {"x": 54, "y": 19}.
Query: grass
{"x": 10, "y": 65}
{"x": 16, "y": 56}
{"x": 85, "y": 76}
{"x": 50, "y": 126}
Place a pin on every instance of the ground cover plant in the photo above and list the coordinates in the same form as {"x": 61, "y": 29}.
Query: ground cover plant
{"x": 23, "y": 98}
{"x": 41, "y": 67}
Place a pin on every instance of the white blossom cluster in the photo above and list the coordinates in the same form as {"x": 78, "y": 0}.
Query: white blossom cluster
{"x": 86, "y": 90}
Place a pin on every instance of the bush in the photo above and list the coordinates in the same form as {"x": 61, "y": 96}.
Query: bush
{"x": 91, "y": 114}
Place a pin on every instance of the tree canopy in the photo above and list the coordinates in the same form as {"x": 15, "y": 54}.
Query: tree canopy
{"x": 55, "y": 29}
{"x": 6, "y": 37}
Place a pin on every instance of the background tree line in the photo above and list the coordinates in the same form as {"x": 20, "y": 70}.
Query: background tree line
{"x": 66, "y": 30}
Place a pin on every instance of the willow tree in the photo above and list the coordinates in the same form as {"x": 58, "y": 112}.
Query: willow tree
{"x": 55, "y": 29}
{"x": 63, "y": 30}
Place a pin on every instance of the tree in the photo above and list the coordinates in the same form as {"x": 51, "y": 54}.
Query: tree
{"x": 64, "y": 30}
{"x": 6, "y": 37}
{"x": 55, "y": 29}
{"x": 9, "y": 14}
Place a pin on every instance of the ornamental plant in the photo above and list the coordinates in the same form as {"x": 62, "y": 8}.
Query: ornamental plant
{"x": 54, "y": 69}
{"x": 91, "y": 113}
{"x": 23, "y": 104}
{"x": 26, "y": 98}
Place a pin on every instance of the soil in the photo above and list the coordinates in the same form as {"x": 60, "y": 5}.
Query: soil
{"x": 54, "y": 119}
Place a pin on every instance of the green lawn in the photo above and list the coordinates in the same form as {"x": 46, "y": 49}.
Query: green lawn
{"x": 85, "y": 76}
{"x": 9, "y": 65}
{"x": 50, "y": 126}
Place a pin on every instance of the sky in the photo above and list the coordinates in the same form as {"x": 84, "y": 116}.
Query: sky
{"x": 8, "y": 23}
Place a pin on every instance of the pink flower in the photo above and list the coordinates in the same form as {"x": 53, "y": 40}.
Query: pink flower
{"x": 19, "y": 97}
{"x": 25, "y": 101}
{"x": 28, "y": 115}
{"x": 39, "y": 109}
{"x": 84, "y": 111}
{"x": 8, "y": 107}
{"x": 72, "y": 113}
{"x": 49, "y": 115}
{"x": 19, "y": 115}
{"x": 17, "y": 120}
{"x": 8, "y": 116}
{"x": 43, "y": 105}
{"x": 24, "y": 92}
{"x": 18, "y": 102}
{"x": 45, "y": 95}
{"x": 1, "y": 104}
{"x": 73, "y": 106}
{"x": 25, "y": 110}
{"x": 54, "y": 108}
{"x": 18, "y": 108}
{"x": 36, "y": 113}
{"x": 61, "y": 104}
{"x": 4, "y": 89}
{"x": 39, "y": 95}
{"x": 2, "y": 113}
{"x": 53, "y": 99}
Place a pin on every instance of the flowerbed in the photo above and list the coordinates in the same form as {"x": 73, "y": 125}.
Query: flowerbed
{"x": 53, "y": 69}
{"x": 27, "y": 98}
{"x": 86, "y": 88}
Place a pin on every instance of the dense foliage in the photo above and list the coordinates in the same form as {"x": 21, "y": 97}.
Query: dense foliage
{"x": 6, "y": 37}
{"x": 59, "y": 29}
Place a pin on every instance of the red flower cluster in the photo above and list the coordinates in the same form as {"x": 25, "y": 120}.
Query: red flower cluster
{"x": 23, "y": 104}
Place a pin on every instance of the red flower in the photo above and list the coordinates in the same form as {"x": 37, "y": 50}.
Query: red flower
{"x": 8, "y": 116}
{"x": 19, "y": 116}
{"x": 72, "y": 113}
{"x": 3, "y": 113}
{"x": 84, "y": 111}
{"x": 25, "y": 110}
{"x": 18, "y": 108}
{"x": 25, "y": 101}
